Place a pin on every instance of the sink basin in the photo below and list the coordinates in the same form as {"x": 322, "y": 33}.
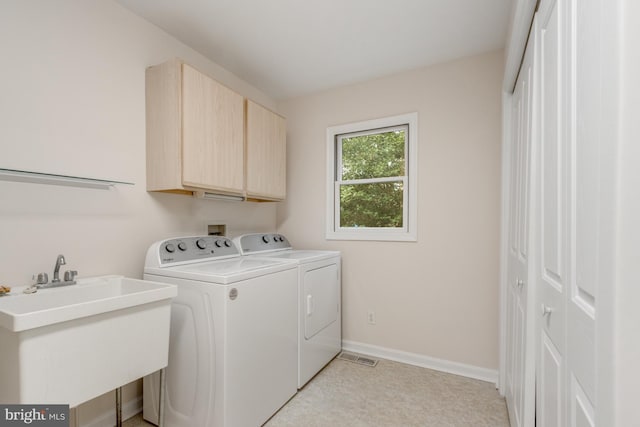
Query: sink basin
{"x": 90, "y": 296}
{"x": 71, "y": 344}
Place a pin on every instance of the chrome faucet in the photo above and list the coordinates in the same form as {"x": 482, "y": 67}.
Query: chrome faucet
{"x": 69, "y": 276}
{"x": 56, "y": 271}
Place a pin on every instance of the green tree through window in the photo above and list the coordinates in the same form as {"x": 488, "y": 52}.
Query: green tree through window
{"x": 371, "y": 177}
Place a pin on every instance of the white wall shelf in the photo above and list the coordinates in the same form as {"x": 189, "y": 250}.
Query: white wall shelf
{"x": 54, "y": 179}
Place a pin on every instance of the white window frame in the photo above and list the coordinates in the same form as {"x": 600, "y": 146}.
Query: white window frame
{"x": 409, "y": 230}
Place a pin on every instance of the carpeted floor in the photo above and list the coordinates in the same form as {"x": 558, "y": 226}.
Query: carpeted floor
{"x": 391, "y": 394}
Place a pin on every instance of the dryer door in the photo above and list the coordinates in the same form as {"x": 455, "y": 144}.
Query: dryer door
{"x": 321, "y": 298}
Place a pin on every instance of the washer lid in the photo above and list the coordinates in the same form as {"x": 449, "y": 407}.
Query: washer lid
{"x": 300, "y": 256}
{"x": 226, "y": 271}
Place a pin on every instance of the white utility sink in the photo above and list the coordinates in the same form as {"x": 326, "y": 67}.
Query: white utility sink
{"x": 73, "y": 343}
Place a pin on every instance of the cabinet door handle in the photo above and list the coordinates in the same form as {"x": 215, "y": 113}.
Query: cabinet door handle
{"x": 546, "y": 310}
{"x": 520, "y": 283}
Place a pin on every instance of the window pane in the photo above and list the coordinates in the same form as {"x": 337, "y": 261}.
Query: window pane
{"x": 373, "y": 156}
{"x": 371, "y": 205}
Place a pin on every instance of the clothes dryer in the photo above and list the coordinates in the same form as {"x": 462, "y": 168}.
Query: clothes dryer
{"x": 233, "y": 342}
{"x": 319, "y": 298}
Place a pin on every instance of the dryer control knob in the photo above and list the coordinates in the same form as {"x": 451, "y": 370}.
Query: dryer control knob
{"x": 265, "y": 238}
{"x": 170, "y": 247}
{"x": 227, "y": 243}
{"x": 182, "y": 246}
{"x": 201, "y": 243}
{"x": 219, "y": 243}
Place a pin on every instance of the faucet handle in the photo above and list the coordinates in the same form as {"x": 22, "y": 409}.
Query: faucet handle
{"x": 70, "y": 275}
{"x": 42, "y": 278}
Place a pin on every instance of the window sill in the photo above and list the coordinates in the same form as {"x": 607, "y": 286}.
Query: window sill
{"x": 370, "y": 235}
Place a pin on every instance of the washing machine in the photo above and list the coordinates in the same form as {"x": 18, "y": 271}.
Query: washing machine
{"x": 319, "y": 298}
{"x": 233, "y": 337}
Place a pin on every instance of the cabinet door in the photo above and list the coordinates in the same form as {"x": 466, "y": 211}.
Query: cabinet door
{"x": 266, "y": 153}
{"x": 163, "y": 85}
{"x": 212, "y": 134}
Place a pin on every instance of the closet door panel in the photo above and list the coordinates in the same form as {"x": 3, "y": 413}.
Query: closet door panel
{"x": 553, "y": 214}
{"x": 520, "y": 374}
{"x": 581, "y": 411}
{"x": 552, "y": 275}
{"x": 513, "y": 267}
{"x": 584, "y": 34}
{"x": 550, "y": 385}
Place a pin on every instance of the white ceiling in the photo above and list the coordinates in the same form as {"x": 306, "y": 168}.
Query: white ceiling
{"x": 288, "y": 48}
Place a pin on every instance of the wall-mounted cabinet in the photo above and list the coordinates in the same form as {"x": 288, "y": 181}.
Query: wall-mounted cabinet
{"x": 204, "y": 137}
{"x": 195, "y": 132}
{"x": 266, "y": 153}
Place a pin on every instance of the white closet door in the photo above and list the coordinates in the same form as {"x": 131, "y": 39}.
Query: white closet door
{"x": 567, "y": 36}
{"x": 552, "y": 231}
{"x": 520, "y": 374}
{"x": 583, "y": 33}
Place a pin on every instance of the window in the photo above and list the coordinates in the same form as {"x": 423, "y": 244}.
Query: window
{"x": 371, "y": 179}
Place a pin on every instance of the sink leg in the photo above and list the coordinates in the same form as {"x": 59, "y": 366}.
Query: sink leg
{"x": 163, "y": 386}
{"x": 119, "y": 407}
{"x": 76, "y": 416}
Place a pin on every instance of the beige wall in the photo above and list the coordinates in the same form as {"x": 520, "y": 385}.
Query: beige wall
{"x": 437, "y": 297}
{"x": 72, "y": 102}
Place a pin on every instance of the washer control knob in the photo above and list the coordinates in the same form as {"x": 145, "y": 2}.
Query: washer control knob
{"x": 219, "y": 243}
{"x": 182, "y": 246}
{"x": 265, "y": 238}
{"x": 170, "y": 247}
{"x": 227, "y": 243}
{"x": 201, "y": 243}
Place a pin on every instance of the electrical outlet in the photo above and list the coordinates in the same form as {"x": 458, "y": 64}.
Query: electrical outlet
{"x": 371, "y": 317}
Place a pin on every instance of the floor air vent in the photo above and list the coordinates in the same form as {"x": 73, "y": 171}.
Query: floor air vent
{"x": 355, "y": 358}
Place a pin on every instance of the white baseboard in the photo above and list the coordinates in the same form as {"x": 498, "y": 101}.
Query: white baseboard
{"x": 475, "y": 372}
{"x": 108, "y": 418}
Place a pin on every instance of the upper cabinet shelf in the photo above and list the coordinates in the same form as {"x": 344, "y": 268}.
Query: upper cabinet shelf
{"x": 54, "y": 179}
